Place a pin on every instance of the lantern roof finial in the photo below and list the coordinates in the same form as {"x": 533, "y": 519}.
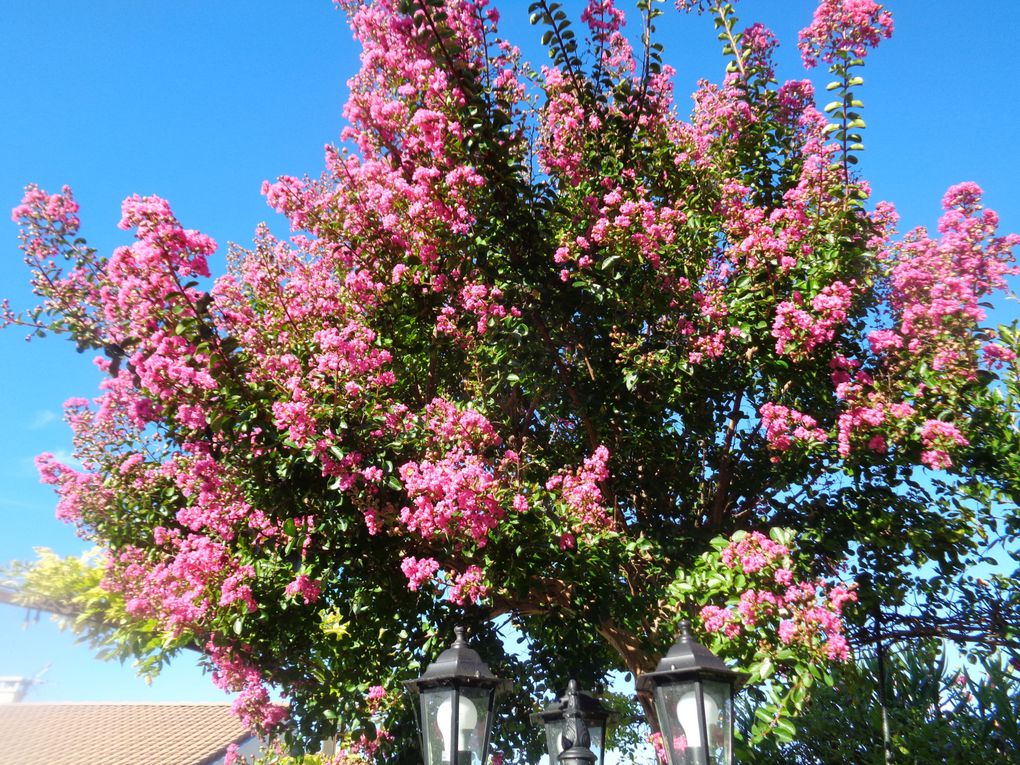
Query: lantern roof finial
{"x": 589, "y": 706}
{"x": 688, "y": 657}
{"x": 460, "y": 663}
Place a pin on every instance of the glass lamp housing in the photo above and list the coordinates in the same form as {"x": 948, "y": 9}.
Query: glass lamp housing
{"x": 455, "y": 701}
{"x": 693, "y": 693}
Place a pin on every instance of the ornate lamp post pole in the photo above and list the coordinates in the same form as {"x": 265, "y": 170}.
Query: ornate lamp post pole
{"x": 554, "y": 718}
{"x": 575, "y": 741}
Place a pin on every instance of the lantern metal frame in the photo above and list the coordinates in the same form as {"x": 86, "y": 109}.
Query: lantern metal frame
{"x": 574, "y": 701}
{"x": 690, "y": 663}
{"x": 460, "y": 671}
{"x": 575, "y": 739}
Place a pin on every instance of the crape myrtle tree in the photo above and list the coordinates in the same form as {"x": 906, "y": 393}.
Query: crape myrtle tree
{"x": 544, "y": 357}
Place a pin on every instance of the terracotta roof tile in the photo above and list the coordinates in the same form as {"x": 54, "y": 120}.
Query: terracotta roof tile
{"x": 116, "y": 734}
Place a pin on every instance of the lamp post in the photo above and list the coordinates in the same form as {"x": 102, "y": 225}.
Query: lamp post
{"x": 554, "y": 717}
{"x": 693, "y": 691}
{"x": 455, "y": 706}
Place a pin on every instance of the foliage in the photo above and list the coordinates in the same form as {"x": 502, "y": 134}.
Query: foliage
{"x": 934, "y": 714}
{"x": 71, "y": 590}
{"x": 543, "y": 357}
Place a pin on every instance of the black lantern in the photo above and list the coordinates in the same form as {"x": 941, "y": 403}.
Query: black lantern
{"x": 455, "y": 703}
{"x": 693, "y": 691}
{"x": 589, "y": 708}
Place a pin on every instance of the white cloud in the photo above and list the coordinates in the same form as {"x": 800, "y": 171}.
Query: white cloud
{"x": 42, "y": 418}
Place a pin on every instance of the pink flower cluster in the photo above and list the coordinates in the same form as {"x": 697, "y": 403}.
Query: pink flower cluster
{"x": 785, "y": 427}
{"x": 844, "y": 28}
{"x": 655, "y": 738}
{"x": 161, "y": 237}
{"x": 804, "y": 613}
{"x": 936, "y": 292}
{"x": 60, "y": 210}
{"x": 868, "y": 418}
{"x": 288, "y": 196}
{"x": 468, "y": 587}
{"x": 234, "y": 673}
{"x": 581, "y": 492}
{"x": 183, "y": 586}
{"x": 482, "y": 301}
{"x": 813, "y": 619}
{"x": 465, "y": 587}
{"x": 753, "y": 552}
{"x": 455, "y": 490}
{"x": 799, "y": 332}
{"x": 939, "y": 438}
{"x": 305, "y": 588}
{"x": 760, "y": 237}
{"x": 49, "y": 226}
{"x": 938, "y": 286}
{"x": 560, "y": 151}
{"x": 454, "y": 495}
{"x": 603, "y": 18}
{"x": 721, "y": 115}
{"x": 625, "y": 221}
{"x": 364, "y": 749}
{"x": 466, "y": 427}
{"x": 81, "y": 494}
{"x": 418, "y": 570}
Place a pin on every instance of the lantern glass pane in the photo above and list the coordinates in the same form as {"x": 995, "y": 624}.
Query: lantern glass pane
{"x": 475, "y": 725}
{"x": 554, "y": 740}
{"x": 719, "y": 721}
{"x": 676, "y": 705}
{"x": 597, "y": 742}
{"x": 436, "y": 704}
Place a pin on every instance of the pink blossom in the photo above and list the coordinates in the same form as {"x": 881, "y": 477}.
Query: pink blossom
{"x": 786, "y": 427}
{"x": 451, "y": 495}
{"x": 939, "y": 438}
{"x": 787, "y": 631}
{"x": 304, "y": 587}
{"x": 883, "y": 340}
{"x": 660, "y": 750}
{"x": 234, "y": 672}
{"x": 468, "y": 587}
{"x": 581, "y": 491}
{"x": 844, "y": 27}
{"x": 60, "y": 209}
{"x": 714, "y": 618}
{"x": 798, "y": 331}
{"x": 753, "y": 552}
{"x": 418, "y": 570}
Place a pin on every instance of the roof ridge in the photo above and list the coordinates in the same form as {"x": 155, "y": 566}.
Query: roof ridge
{"x": 225, "y": 704}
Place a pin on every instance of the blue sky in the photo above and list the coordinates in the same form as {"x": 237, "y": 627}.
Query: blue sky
{"x": 199, "y": 102}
